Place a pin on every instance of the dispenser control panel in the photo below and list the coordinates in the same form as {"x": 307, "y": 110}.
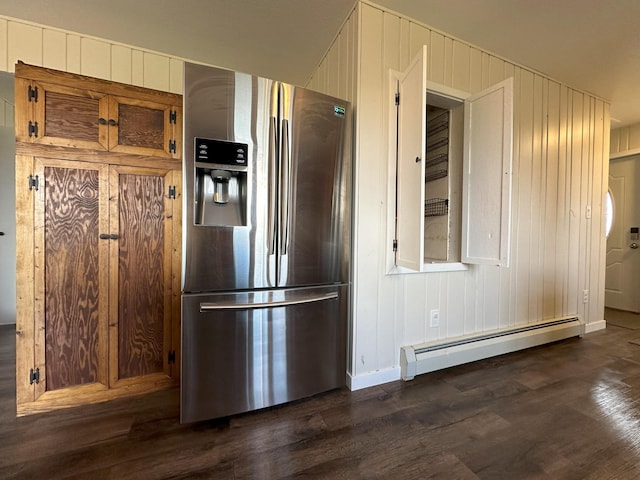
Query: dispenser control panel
{"x": 221, "y": 152}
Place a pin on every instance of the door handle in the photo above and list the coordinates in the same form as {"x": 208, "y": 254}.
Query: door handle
{"x": 634, "y": 245}
{"x": 211, "y": 306}
{"x": 108, "y": 236}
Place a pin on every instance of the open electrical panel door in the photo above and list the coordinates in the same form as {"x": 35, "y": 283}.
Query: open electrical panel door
{"x": 486, "y": 184}
{"x": 486, "y": 179}
{"x": 412, "y": 127}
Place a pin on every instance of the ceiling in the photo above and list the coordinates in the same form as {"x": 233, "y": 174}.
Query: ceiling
{"x": 592, "y": 45}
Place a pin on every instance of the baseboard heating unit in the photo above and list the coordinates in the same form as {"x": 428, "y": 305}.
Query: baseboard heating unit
{"x": 429, "y": 357}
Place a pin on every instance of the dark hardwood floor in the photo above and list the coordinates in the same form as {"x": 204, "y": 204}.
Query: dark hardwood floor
{"x": 570, "y": 410}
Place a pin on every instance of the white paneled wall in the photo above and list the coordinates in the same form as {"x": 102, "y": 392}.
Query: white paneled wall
{"x": 70, "y": 52}
{"x": 625, "y": 141}
{"x": 561, "y": 144}
{"x": 6, "y": 113}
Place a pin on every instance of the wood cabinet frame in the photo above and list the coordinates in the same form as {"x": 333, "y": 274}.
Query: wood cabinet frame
{"x": 32, "y": 395}
{"x": 91, "y": 114}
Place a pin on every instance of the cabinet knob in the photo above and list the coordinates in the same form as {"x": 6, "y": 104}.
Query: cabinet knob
{"x": 102, "y": 121}
{"x": 112, "y": 122}
{"x": 418, "y": 159}
{"x": 108, "y": 236}
{"x": 1, "y": 234}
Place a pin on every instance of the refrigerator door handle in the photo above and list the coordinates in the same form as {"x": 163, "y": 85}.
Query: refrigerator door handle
{"x": 211, "y": 306}
{"x": 273, "y": 171}
{"x": 273, "y": 143}
{"x": 285, "y": 187}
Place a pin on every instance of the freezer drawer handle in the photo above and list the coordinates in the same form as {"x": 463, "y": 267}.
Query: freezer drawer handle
{"x": 205, "y": 307}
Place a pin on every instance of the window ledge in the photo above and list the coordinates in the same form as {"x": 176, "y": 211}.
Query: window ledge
{"x": 432, "y": 268}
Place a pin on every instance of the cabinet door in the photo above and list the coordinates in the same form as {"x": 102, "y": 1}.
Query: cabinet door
{"x": 140, "y": 286}
{"x": 486, "y": 191}
{"x": 71, "y": 275}
{"x": 69, "y": 117}
{"x": 143, "y": 127}
{"x": 54, "y": 114}
{"x": 412, "y": 117}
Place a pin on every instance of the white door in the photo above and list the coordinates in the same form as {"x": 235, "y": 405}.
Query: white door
{"x": 488, "y": 151}
{"x": 412, "y": 132}
{"x": 486, "y": 179}
{"x": 622, "y": 284}
{"x": 7, "y": 203}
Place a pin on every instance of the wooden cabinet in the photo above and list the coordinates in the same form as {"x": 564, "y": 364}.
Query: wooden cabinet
{"x": 80, "y": 114}
{"x": 99, "y": 239}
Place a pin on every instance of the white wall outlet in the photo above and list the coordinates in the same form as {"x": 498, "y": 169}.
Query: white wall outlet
{"x": 435, "y": 318}
{"x": 585, "y": 296}
{"x": 587, "y": 212}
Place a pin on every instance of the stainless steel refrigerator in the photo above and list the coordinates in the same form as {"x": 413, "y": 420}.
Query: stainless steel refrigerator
{"x": 266, "y": 243}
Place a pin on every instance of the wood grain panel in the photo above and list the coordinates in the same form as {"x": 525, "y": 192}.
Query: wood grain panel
{"x": 174, "y": 222}
{"x": 74, "y": 369}
{"x": 141, "y": 281}
{"x": 25, "y": 314}
{"x": 92, "y": 156}
{"x": 140, "y": 126}
{"x": 71, "y": 276}
{"x": 71, "y": 116}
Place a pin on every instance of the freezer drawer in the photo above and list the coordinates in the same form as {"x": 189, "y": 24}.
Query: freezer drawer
{"x": 246, "y": 351}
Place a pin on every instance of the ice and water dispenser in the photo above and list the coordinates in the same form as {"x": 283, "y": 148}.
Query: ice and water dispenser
{"x": 220, "y": 182}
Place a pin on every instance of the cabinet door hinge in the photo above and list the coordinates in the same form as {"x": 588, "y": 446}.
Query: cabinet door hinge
{"x": 397, "y": 99}
{"x": 172, "y": 146}
{"x": 172, "y": 191}
{"x": 33, "y": 182}
{"x": 33, "y": 129}
{"x": 173, "y": 116}
{"x": 34, "y": 376}
{"x": 32, "y": 94}
{"x": 395, "y": 245}
{"x": 172, "y": 356}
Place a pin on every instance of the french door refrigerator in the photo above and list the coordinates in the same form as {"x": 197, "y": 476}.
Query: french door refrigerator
{"x": 267, "y": 239}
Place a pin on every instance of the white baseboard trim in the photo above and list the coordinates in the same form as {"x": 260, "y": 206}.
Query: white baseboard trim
{"x": 425, "y": 358}
{"x": 595, "y": 326}
{"x": 371, "y": 379}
